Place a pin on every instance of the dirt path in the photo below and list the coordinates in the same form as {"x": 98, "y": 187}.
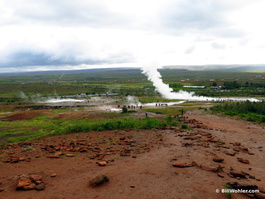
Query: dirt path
{"x": 145, "y": 170}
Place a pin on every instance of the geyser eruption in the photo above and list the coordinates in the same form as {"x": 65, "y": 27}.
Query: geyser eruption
{"x": 154, "y": 76}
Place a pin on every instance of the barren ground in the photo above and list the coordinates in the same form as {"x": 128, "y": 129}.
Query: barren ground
{"x": 139, "y": 163}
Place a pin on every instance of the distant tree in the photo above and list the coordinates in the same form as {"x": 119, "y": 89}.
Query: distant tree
{"x": 214, "y": 84}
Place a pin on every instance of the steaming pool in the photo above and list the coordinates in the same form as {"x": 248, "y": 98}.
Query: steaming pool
{"x": 62, "y": 100}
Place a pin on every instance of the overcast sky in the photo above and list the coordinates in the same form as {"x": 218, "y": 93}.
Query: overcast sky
{"x": 77, "y": 34}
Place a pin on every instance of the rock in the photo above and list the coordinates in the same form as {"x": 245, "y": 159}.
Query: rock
{"x": 221, "y": 175}
{"x": 23, "y": 182}
{"x": 53, "y": 175}
{"x": 237, "y": 144}
{"x": 22, "y": 159}
{"x": 213, "y": 169}
{"x": 182, "y": 164}
{"x": 36, "y": 177}
{"x": 70, "y": 155}
{"x": 102, "y": 163}
{"x": 40, "y": 187}
{"x": 30, "y": 186}
{"x": 230, "y": 153}
{"x": 38, "y": 182}
{"x": 237, "y": 174}
{"x": 243, "y": 160}
{"x": 98, "y": 180}
{"x": 218, "y": 160}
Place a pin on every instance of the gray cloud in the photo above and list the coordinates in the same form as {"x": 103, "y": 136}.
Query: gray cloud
{"x": 65, "y": 13}
{"x": 24, "y": 58}
{"x": 206, "y": 17}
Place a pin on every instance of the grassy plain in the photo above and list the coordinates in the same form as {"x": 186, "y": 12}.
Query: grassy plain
{"x": 18, "y": 90}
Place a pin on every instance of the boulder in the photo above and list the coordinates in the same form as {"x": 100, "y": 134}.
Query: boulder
{"x": 98, "y": 180}
{"x": 22, "y": 182}
{"x": 40, "y": 187}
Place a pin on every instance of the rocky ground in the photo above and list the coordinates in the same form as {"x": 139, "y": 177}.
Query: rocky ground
{"x": 164, "y": 163}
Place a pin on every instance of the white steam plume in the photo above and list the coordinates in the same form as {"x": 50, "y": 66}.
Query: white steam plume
{"x": 154, "y": 76}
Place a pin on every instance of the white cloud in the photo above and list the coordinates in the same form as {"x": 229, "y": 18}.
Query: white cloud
{"x": 78, "y": 34}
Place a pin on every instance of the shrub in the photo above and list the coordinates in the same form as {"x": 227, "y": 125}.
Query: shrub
{"x": 184, "y": 126}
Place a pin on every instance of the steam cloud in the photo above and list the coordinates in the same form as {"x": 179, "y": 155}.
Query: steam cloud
{"x": 154, "y": 76}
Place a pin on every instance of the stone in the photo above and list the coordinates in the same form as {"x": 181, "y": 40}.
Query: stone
{"x": 30, "y": 186}
{"x": 237, "y": 144}
{"x": 243, "y": 160}
{"x": 220, "y": 175}
{"x": 70, "y": 155}
{"x": 182, "y": 164}
{"x": 98, "y": 180}
{"x": 230, "y": 153}
{"x": 40, "y": 187}
{"x": 218, "y": 160}
{"x": 22, "y": 159}
{"x": 102, "y": 163}
{"x": 53, "y": 175}
{"x": 237, "y": 174}
{"x": 23, "y": 182}
{"x": 36, "y": 177}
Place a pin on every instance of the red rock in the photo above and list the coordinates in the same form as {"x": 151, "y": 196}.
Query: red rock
{"x": 237, "y": 174}
{"x": 221, "y": 175}
{"x": 237, "y": 144}
{"x": 243, "y": 160}
{"x": 30, "y": 186}
{"x": 70, "y": 155}
{"x": 23, "y": 182}
{"x": 53, "y": 175}
{"x": 181, "y": 164}
{"x": 102, "y": 163}
{"x": 230, "y": 153}
{"x": 36, "y": 177}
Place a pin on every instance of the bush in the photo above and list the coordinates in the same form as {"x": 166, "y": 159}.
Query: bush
{"x": 184, "y": 126}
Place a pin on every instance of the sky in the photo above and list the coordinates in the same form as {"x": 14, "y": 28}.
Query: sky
{"x": 83, "y": 34}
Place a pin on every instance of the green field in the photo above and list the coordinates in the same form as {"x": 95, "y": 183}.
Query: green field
{"x": 21, "y": 91}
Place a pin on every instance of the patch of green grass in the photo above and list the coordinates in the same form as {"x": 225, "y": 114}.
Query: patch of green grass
{"x": 27, "y": 149}
{"x": 228, "y": 195}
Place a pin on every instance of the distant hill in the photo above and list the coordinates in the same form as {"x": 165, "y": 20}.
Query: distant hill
{"x": 175, "y": 67}
{"x": 260, "y": 67}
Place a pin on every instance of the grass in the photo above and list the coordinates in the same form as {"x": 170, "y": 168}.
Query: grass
{"x": 42, "y": 125}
